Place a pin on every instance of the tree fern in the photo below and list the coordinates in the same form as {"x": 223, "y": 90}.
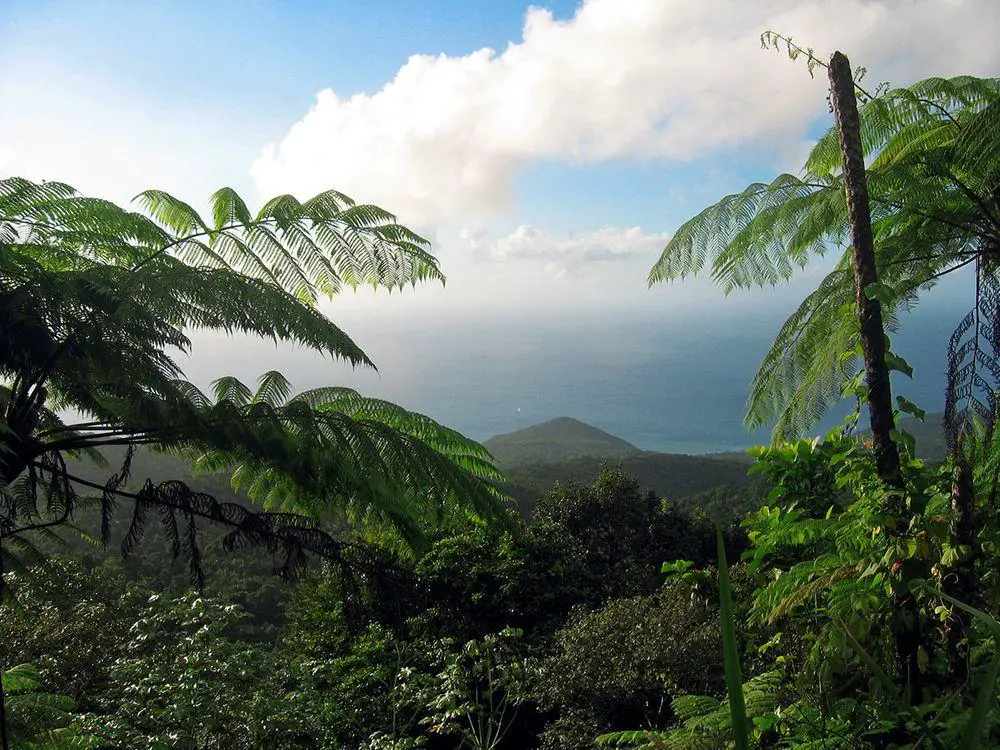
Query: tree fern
{"x": 93, "y": 298}
{"x": 332, "y": 440}
{"x": 704, "y": 722}
{"x": 933, "y": 177}
{"x": 39, "y": 720}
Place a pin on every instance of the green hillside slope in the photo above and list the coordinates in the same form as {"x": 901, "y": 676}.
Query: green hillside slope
{"x": 556, "y": 440}
{"x": 668, "y": 475}
{"x": 929, "y": 435}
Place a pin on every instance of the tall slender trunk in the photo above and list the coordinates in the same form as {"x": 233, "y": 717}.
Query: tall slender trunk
{"x": 4, "y": 742}
{"x": 845, "y": 108}
{"x": 960, "y": 582}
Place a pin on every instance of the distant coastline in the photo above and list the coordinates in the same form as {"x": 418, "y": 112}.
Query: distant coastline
{"x": 566, "y": 439}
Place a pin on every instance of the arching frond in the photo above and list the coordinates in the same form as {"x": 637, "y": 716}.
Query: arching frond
{"x": 272, "y": 388}
{"x": 309, "y": 248}
{"x": 229, "y": 388}
{"x": 228, "y": 209}
{"x": 368, "y": 461}
{"x": 95, "y": 298}
{"x": 174, "y": 214}
{"x": 744, "y": 238}
{"x": 934, "y": 181}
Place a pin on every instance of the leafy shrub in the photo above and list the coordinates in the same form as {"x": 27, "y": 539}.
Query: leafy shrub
{"x": 619, "y": 667}
{"x": 70, "y": 621}
{"x": 622, "y": 534}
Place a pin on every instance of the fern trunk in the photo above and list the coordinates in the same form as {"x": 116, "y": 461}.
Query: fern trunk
{"x": 845, "y": 108}
{"x": 906, "y": 624}
{"x": 4, "y": 742}
{"x": 961, "y": 584}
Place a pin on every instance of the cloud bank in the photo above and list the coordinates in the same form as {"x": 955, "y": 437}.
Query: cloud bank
{"x": 562, "y": 255}
{"x": 639, "y": 79}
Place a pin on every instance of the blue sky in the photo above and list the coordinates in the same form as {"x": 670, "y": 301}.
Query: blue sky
{"x": 547, "y": 172}
{"x": 548, "y": 151}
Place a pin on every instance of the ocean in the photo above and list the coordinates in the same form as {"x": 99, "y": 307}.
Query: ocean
{"x": 674, "y": 383}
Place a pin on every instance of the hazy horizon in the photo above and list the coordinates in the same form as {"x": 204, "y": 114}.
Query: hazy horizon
{"x": 670, "y": 383}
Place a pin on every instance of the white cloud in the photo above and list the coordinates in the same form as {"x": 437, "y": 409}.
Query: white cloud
{"x": 564, "y": 254}
{"x": 444, "y": 140}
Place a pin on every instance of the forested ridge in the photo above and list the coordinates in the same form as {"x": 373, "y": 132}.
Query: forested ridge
{"x": 249, "y": 566}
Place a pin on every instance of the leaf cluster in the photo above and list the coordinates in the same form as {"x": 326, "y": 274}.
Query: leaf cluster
{"x": 94, "y": 302}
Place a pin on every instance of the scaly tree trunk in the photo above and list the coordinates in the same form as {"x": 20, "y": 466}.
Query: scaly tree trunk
{"x": 845, "y": 108}
{"x": 960, "y": 581}
{"x": 4, "y": 742}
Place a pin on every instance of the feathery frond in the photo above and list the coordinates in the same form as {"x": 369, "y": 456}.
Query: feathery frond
{"x": 934, "y": 181}
{"x": 93, "y": 298}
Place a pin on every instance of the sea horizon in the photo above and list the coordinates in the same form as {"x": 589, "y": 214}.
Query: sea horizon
{"x": 673, "y": 383}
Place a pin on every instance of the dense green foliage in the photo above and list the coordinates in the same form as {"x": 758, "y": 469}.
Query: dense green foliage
{"x": 822, "y": 604}
{"x": 830, "y": 555}
{"x": 488, "y": 637}
{"x": 620, "y": 665}
{"x": 669, "y": 475}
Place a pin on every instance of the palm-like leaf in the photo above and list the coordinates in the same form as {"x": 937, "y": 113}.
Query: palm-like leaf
{"x": 37, "y": 718}
{"x": 333, "y": 450}
{"x": 934, "y": 182}
{"x": 92, "y": 298}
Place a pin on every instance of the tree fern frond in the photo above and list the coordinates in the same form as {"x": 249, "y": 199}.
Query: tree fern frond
{"x": 176, "y": 215}
{"x": 934, "y": 163}
{"x": 977, "y": 148}
{"x": 190, "y": 392}
{"x": 20, "y": 678}
{"x": 331, "y": 448}
{"x": 743, "y": 237}
{"x": 228, "y": 209}
{"x": 810, "y": 360}
{"x": 639, "y": 739}
{"x": 272, "y": 388}
{"x": 229, "y": 388}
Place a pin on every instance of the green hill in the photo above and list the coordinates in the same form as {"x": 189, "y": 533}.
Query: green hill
{"x": 556, "y": 440}
{"x": 929, "y": 435}
{"x": 566, "y": 450}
